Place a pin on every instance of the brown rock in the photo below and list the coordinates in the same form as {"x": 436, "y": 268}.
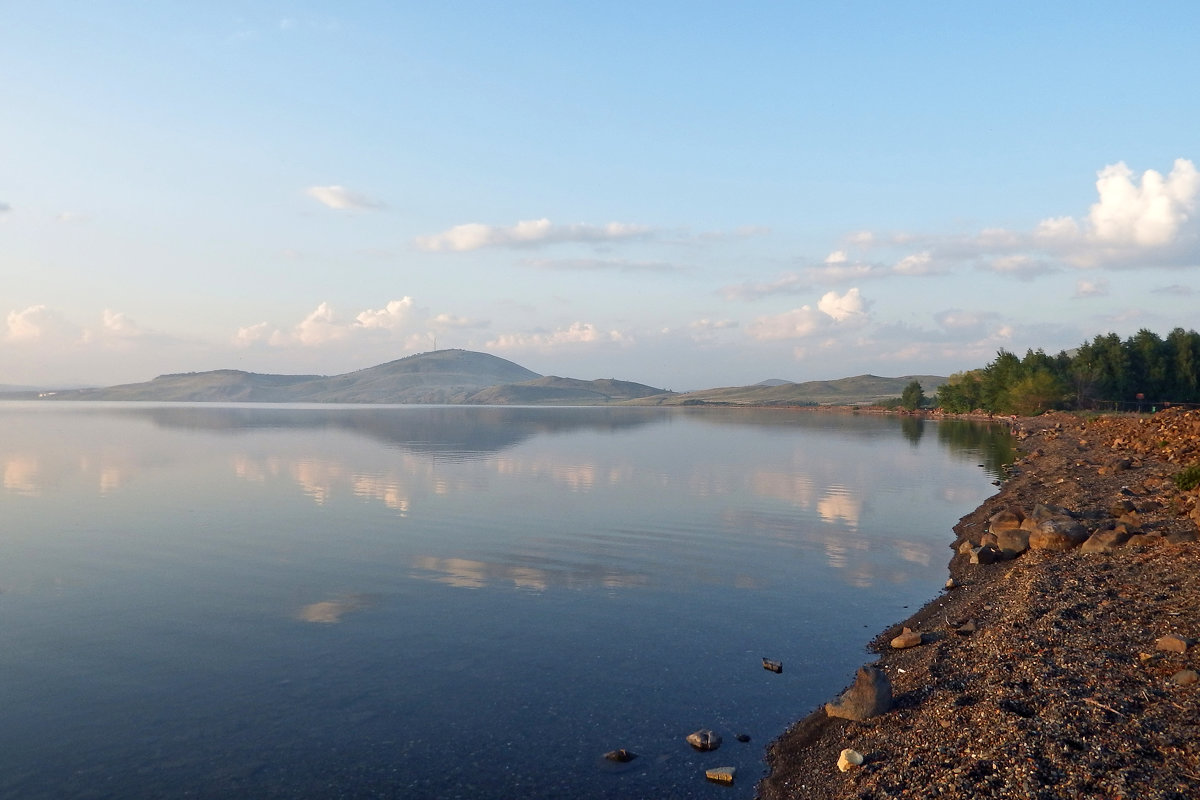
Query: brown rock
{"x": 1173, "y": 644}
{"x": 1185, "y": 677}
{"x": 704, "y": 739}
{"x": 1005, "y": 520}
{"x": 909, "y": 638}
{"x": 1057, "y": 533}
{"x": 1106, "y": 541}
{"x": 987, "y": 554}
{"x": 870, "y": 696}
{"x": 1012, "y": 543}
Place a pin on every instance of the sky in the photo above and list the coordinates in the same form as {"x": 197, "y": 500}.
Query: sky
{"x": 683, "y": 194}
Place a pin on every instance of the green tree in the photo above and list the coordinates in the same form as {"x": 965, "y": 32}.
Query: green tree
{"x": 913, "y": 396}
{"x": 961, "y": 393}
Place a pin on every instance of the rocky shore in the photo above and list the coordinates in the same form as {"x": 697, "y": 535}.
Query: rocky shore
{"x": 1062, "y": 663}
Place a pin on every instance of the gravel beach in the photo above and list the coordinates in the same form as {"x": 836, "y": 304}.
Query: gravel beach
{"x": 1065, "y": 670}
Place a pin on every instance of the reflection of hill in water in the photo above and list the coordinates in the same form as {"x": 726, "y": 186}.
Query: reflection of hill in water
{"x": 445, "y": 431}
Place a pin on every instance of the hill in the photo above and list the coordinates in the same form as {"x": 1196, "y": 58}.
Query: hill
{"x": 454, "y": 377}
{"x": 859, "y": 390}
{"x": 441, "y": 376}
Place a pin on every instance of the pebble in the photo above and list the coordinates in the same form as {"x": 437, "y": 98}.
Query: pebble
{"x": 849, "y": 759}
{"x": 1185, "y": 677}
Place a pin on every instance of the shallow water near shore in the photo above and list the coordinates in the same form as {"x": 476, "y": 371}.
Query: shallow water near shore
{"x": 293, "y": 601}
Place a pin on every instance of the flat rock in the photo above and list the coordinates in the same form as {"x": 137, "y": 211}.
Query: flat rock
{"x": 1185, "y": 677}
{"x": 721, "y": 774}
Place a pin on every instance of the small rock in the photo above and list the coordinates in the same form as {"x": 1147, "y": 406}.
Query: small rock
{"x": 1185, "y": 677}
{"x": 621, "y": 756}
{"x": 742, "y": 737}
{"x": 952, "y": 584}
{"x": 772, "y": 666}
{"x": 909, "y": 638}
{"x": 1012, "y": 543}
{"x": 967, "y": 628}
{"x": 849, "y": 759}
{"x": 704, "y": 739}
{"x": 987, "y": 554}
{"x": 870, "y": 696}
{"x": 1106, "y": 541}
{"x": 721, "y": 774}
{"x": 1008, "y": 518}
{"x": 1172, "y": 644}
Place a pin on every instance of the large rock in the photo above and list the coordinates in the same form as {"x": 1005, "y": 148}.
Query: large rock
{"x": 1011, "y": 543}
{"x": 1005, "y": 520}
{"x": 1057, "y": 533}
{"x": 1106, "y": 541}
{"x": 870, "y": 696}
{"x": 704, "y": 739}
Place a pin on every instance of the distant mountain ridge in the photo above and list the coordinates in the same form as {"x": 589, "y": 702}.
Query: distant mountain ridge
{"x": 458, "y": 377}
{"x": 438, "y": 377}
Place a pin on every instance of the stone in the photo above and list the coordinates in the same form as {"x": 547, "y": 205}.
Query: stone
{"x": 967, "y": 628}
{"x": 987, "y": 554}
{"x": 1106, "y": 541}
{"x": 772, "y": 666}
{"x": 1057, "y": 533}
{"x": 1012, "y": 543}
{"x": 1185, "y": 677}
{"x": 849, "y": 759}
{"x": 908, "y": 638}
{"x": 621, "y": 756}
{"x": 742, "y": 737}
{"x": 721, "y": 774}
{"x": 951, "y": 583}
{"x": 1172, "y": 644}
{"x": 869, "y": 696}
{"x": 704, "y": 739}
{"x": 1005, "y": 520}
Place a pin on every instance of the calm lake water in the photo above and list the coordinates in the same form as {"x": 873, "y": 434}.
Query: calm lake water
{"x": 441, "y": 602}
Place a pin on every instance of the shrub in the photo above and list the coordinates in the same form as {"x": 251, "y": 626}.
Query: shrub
{"x": 1188, "y": 478}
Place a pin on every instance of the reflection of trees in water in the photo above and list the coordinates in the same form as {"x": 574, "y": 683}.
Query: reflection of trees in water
{"x": 444, "y": 431}
{"x": 913, "y": 429}
{"x": 992, "y": 443}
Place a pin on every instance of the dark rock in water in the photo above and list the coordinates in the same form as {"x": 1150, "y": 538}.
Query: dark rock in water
{"x": 704, "y": 739}
{"x": 870, "y": 696}
{"x": 621, "y": 756}
{"x": 742, "y": 737}
{"x": 773, "y": 666}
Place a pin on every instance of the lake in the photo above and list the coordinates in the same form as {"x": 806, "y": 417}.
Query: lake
{"x": 441, "y": 602}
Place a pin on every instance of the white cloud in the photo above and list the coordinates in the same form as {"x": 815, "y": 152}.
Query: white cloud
{"x": 576, "y": 333}
{"x": 1149, "y": 215}
{"x": 393, "y": 316}
{"x": 833, "y": 310}
{"x": 5, "y": 208}
{"x": 446, "y": 321}
{"x": 117, "y": 324}
{"x": 39, "y": 323}
{"x": 1023, "y": 267}
{"x": 1091, "y": 289}
{"x": 844, "y": 307}
{"x": 341, "y": 198}
{"x": 252, "y": 334}
{"x": 799, "y": 323}
{"x": 473, "y": 236}
{"x": 788, "y": 283}
{"x": 836, "y": 257}
{"x": 915, "y": 264}
{"x": 318, "y": 328}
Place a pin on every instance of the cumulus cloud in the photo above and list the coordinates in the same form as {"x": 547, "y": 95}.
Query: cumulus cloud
{"x": 391, "y": 317}
{"x": 576, "y": 333}
{"x": 527, "y": 233}
{"x": 1149, "y": 214}
{"x": 1137, "y": 221}
{"x": 833, "y": 311}
{"x": 341, "y": 198}
{"x": 843, "y": 307}
{"x": 39, "y": 323}
{"x": 118, "y": 324}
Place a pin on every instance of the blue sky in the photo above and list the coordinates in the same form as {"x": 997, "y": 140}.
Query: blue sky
{"x": 683, "y": 194}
